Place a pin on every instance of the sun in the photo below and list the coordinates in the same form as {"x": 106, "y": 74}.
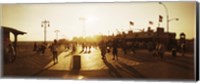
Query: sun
{"x": 90, "y": 19}
{"x": 89, "y": 24}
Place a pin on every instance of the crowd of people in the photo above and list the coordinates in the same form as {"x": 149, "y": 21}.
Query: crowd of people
{"x": 156, "y": 49}
{"x": 53, "y": 47}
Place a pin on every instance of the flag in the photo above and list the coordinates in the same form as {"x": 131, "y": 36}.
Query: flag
{"x": 150, "y": 22}
{"x": 160, "y": 18}
{"x": 131, "y": 23}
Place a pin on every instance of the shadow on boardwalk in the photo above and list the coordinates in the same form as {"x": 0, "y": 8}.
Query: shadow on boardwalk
{"x": 130, "y": 70}
{"x": 37, "y": 73}
{"x": 111, "y": 69}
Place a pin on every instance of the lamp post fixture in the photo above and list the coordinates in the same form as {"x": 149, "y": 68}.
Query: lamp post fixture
{"x": 56, "y": 31}
{"x": 45, "y": 24}
{"x": 177, "y": 19}
{"x": 167, "y": 15}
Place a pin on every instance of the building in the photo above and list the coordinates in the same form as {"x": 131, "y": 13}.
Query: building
{"x": 141, "y": 39}
{"x": 9, "y": 53}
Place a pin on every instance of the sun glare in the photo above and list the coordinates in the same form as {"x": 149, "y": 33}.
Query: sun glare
{"x": 91, "y": 19}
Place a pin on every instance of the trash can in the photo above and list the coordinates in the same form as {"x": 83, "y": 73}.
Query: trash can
{"x": 76, "y": 62}
{"x": 174, "y": 52}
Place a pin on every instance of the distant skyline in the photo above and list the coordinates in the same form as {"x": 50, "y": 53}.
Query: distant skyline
{"x": 99, "y": 18}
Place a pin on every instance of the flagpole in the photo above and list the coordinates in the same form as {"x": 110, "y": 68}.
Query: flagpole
{"x": 131, "y": 24}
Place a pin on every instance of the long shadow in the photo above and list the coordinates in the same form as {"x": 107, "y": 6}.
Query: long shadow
{"x": 81, "y": 51}
{"x": 74, "y": 72}
{"x": 111, "y": 69}
{"x": 180, "y": 64}
{"x": 176, "y": 61}
{"x": 131, "y": 70}
{"x": 68, "y": 54}
{"x": 181, "y": 59}
{"x": 139, "y": 58}
{"x": 145, "y": 58}
{"x": 29, "y": 55}
{"x": 35, "y": 74}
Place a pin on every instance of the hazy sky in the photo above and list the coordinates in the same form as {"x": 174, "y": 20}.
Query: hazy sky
{"x": 102, "y": 18}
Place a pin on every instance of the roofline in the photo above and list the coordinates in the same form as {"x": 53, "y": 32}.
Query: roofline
{"x": 14, "y": 31}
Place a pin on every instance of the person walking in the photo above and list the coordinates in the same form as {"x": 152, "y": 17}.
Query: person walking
{"x": 102, "y": 47}
{"x": 160, "y": 49}
{"x": 35, "y": 46}
{"x": 43, "y": 48}
{"x": 54, "y": 49}
{"x": 115, "y": 51}
{"x": 183, "y": 49}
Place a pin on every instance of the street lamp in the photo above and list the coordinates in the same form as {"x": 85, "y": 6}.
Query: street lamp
{"x": 167, "y": 14}
{"x": 45, "y": 24}
{"x": 56, "y": 31}
{"x": 84, "y": 25}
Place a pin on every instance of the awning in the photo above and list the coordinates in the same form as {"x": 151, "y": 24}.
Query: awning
{"x": 14, "y": 31}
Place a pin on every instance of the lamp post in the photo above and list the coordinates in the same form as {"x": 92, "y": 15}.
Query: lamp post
{"x": 57, "y": 31}
{"x": 167, "y": 15}
{"x": 83, "y": 19}
{"x": 45, "y": 24}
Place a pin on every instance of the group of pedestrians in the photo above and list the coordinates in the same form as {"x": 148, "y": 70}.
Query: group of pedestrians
{"x": 104, "y": 48}
{"x": 53, "y": 47}
{"x": 86, "y": 48}
{"x": 158, "y": 49}
{"x": 39, "y": 49}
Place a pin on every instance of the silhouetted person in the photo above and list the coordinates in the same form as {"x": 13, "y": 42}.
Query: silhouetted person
{"x": 11, "y": 54}
{"x": 89, "y": 51}
{"x": 35, "y": 46}
{"x": 133, "y": 47}
{"x": 174, "y": 52}
{"x": 183, "y": 49}
{"x": 115, "y": 51}
{"x": 39, "y": 49}
{"x": 150, "y": 46}
{"x": 124, "y": 47}
{"x": 102, "y": 47}
{"x": 108, "y": 47}
{"x": 54, "y": 49}
{"x": 43, "y": 47}
{"x": 73, "y": 47}
{"x": 83, "y": 47}
{"x": 174, "y": 48}
{"x": 160, "y": 49}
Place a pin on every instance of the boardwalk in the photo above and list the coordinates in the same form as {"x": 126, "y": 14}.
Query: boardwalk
{"x": 141, "y": 65}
